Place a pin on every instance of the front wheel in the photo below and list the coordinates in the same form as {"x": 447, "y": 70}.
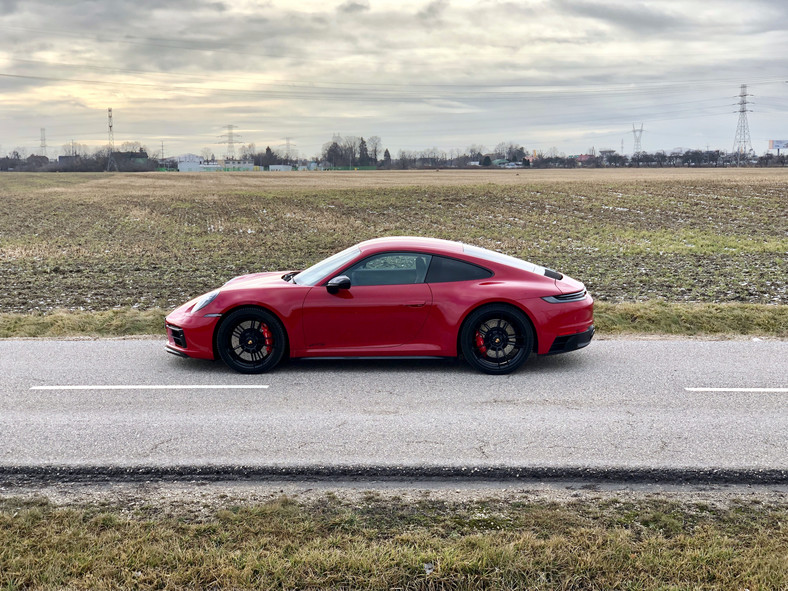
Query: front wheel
{"x": 496, "y": 339}
{"x": 251, "y": 340}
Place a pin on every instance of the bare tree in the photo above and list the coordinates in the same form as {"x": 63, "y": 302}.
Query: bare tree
{"x": 350, "y": 145}
{"x": 476, "y": 151}
{"x": 373, "y": 147}
{"x": 76, "y": 149}
{"x": 248, "y": 151}
{"x": 132, "y": 147}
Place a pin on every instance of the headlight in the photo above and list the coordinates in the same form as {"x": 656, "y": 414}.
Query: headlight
{"x": 205, "y": 300}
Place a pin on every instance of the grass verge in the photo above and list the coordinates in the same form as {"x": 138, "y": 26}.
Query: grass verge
{"x": 385, "y": 543}
{"x": 656, "y": 318}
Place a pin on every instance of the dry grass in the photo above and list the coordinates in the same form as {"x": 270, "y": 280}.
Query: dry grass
{"x": 384, "y": 544}
{"x": 610, "y": 319}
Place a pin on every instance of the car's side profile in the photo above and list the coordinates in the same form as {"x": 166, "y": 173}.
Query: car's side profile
{"x": 398, "y": 296}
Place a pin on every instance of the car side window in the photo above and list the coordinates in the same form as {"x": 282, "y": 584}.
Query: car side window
{"x": 444, "y": 270}
{"x": 393, "y": 268}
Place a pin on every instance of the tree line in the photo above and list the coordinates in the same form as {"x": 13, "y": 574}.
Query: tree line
{"x": 359, "y": 152}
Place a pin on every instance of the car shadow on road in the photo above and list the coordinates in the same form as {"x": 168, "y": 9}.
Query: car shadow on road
{"x": 370, "y": 365}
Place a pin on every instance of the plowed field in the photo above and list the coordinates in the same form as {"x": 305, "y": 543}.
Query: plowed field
{"x": 100, "y": 241}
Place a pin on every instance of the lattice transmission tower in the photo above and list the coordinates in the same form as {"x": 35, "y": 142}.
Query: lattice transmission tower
{"x": 111, "y": 164}
{"x": 742, "y": 145}
{"x": 229, "y": 139}
{"x": 44, "y": 142}
{"x": 638, "y": 134}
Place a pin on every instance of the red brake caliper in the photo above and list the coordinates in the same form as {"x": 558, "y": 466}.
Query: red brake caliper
{"x": 480, "y": 343}
{"x": 269, "y": 339}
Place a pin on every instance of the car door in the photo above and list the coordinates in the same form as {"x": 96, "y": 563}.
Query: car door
{"x": 386, "y": 305}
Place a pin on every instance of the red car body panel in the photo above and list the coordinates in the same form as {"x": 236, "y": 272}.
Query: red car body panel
{"x": 415, "y": 319}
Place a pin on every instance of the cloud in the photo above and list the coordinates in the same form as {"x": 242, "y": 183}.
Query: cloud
{"x": 636, "y": 18}
{"x": 351, "y": 7}
{"x": 434, "y": 10}
{"x": 416, "y": 73}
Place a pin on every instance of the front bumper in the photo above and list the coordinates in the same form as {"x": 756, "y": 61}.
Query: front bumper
{"x": 174, "y": 351}
{"x": 190, "y": 335}
{"x": 572, "y": 342}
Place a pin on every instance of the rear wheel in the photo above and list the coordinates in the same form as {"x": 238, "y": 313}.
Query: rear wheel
{"x": 496, "y": 339}
{"x": 251, "y": 340}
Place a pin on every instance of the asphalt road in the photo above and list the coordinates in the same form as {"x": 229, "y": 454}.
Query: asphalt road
{"x": 618, "y": 406}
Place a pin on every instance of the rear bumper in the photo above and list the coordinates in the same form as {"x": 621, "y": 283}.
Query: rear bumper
{"x": 571, "y": 342}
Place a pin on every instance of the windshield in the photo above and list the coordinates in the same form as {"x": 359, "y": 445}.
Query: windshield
{"x": 497, "y": 257}
{"x": 325, "y": 267}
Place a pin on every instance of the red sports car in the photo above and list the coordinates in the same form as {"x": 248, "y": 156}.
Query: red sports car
{"x": 396, "y": 296}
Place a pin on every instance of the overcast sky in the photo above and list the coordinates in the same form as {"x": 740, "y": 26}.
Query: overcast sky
{"x": 569, "y": 74}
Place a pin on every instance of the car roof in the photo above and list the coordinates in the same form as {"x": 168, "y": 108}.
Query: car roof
{"x": 410, "y": 243}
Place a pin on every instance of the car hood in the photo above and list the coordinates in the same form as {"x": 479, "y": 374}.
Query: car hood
{"x": 255, "y": 280}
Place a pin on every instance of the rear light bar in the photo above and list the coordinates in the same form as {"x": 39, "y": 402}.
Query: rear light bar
{"x": 566, "y": 297}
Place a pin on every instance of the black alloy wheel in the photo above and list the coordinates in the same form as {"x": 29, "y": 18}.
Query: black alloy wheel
{"x": 496, "y": 339}
{"x": 251, "y": 340}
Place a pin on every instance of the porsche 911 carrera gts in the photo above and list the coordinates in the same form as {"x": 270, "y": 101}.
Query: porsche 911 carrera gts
{"x": 397, "y": 296}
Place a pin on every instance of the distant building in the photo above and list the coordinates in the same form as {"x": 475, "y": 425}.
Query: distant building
{"x": 237, "y": 165}
{"x": 190, "y": 166}
{"x": 192, "y": 163}
{"x": 280, "y": 168}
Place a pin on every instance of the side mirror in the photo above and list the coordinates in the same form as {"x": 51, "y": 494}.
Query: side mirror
{"x": 337, "y": 283}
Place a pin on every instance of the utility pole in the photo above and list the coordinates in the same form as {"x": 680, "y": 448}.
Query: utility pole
{"x": 111, "y": 164}
{"x": 742, "y": 144}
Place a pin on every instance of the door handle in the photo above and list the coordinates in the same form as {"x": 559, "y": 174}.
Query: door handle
{"x": 415, "y": 304}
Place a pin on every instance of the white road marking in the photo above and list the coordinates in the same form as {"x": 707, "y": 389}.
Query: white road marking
{"x": 736, "y": 389}
{"x": 155, "y": 387}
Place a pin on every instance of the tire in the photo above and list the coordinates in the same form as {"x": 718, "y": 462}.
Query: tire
{"x": 496, "y": 339}
{"x": 251, "y": 340}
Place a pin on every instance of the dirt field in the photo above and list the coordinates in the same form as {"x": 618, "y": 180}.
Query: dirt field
{"x": 100, "y": 241}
